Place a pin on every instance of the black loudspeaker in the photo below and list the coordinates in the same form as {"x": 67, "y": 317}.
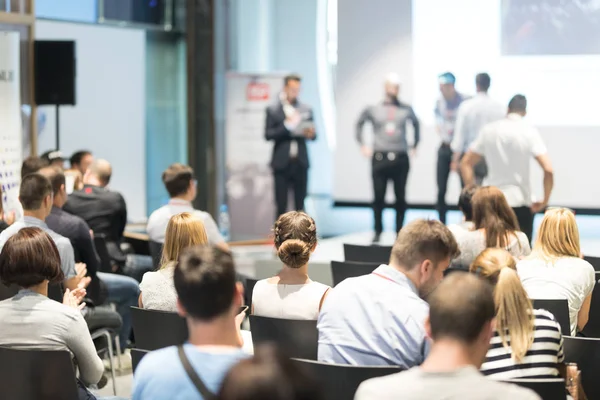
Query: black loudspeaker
{"x": 54, "y": 72}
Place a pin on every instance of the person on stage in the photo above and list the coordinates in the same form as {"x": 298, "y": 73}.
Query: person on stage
{"x": 289, "y": 124}
{"x": 390, "y": 160}
{"x": 445, "y": 115}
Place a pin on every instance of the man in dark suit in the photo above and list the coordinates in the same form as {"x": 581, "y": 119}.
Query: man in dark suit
{"x": 289, "y": 124}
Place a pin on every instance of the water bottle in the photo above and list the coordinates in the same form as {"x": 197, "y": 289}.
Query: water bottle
{"x": 224, "y": 223}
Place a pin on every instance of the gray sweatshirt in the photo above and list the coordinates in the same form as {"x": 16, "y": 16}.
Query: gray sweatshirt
{"x": 389, "y": 126}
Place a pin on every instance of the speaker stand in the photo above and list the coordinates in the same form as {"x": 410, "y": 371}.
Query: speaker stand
{"x": 57, "y": 128}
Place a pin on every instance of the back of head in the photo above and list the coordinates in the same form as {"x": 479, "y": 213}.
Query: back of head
{"x": 177, "y": 179}
{"x": 184, "y": 230}
{"x": 460, "y": 307}
{"x": 518, "y": 104}
{"x": 34, "y": 189}
{"x": 56, "y": 176}
{"x": 447, "y": 78}
{"x": 483, "y": 81}
{"x": 295, "y": 235}
{"x": 76, "y": 158}
{"x": 423, "y": 240}
{"x": 205, "y": 282}
{"x": 514, "y": 312}
{"x": 28, "y": 258}
{"x": 558, "y": 235}
{"x": 268, "y": 375}
{"x": 465, "y": 202}
{"x": 31, "y": 165}
{"x": 102, "y": 170}
{"x": 492, "y": 213}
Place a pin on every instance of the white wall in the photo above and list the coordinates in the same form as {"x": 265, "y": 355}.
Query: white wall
{"x": 109, "y": 118}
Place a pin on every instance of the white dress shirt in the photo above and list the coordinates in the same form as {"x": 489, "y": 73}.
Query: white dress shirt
{"x": 473, "y": 114}
{"x": 508, "y": 146}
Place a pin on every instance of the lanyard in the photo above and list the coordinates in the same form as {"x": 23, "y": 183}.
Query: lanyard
{"x": 385, "y": 277}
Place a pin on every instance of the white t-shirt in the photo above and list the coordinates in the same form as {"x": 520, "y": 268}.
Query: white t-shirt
{"x": 158, "y": 290}
{"x": 508, "y": 146}
{"x": 288, "y": 301}
{"x": 568, "y": 278}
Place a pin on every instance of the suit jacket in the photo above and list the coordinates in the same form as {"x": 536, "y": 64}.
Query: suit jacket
{"x": 275, "y": 130}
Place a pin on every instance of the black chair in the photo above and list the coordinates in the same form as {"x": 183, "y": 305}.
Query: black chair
{"x": 592, "y": 328}
{"x": 585, "y": 352}
{"x": 37, "y": 375}
{"x": 340, "y": 382}
{"x": 297, "y": 338}
{"x": 136, "y": 357}
{"x": 157, "y": 329}
{"x": 250, "y": 283}
{"x": 370, "y": 254}
{"x": 560, "y": 309}
{"x": 106, "y": 263}
{"x": 547, "y": 389}
{"x": 595, "y": 261}
{"x": 341, "y": 270}
{"x": 155, "y": 253}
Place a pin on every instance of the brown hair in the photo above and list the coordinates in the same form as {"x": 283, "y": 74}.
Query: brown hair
{"x": 295, "y": 235}
{"x": 558, "y": 235}
{"x": 34, "y": 189}
{"x": 31, "y": 165}
{"x": 514, "y": 311}
{"x": 56, "y": 176}
{"x": 177, "y": 179}
{"x": 492, "y": 213}
{"x": 184, "y": 230}
{"x": 423, "y": 240}
{"x": 28, "y": 258}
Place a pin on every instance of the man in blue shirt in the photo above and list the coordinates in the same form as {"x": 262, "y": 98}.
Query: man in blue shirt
{"x": 209, "y": 298}
{"x": 378, "y": 319}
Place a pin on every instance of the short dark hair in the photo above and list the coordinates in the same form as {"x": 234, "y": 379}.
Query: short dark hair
{"x": 465, "y": 202}
{"x": 177, "y": 178}
{"x": 291, "y": 77}
{"x": 34, "y": 189}
{"x": 56, "y": 176}
{"x": 269, "y": 375}
{"x": 460, "y": 307}
{"x": 32, "y": 164}
{"x": 483, "y": 81}
{"x": 28, "y": 258}
{"x": 518, "y": 103}
{"x": 205, "y": 281}
{"x": 78, "y": 156}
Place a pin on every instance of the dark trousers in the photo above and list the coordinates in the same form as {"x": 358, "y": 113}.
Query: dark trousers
{"x": 294, "y": 177}
{"x": 444, "y": 159}
{"x": 385, "y": 170}
{"x": 525, "y": 218}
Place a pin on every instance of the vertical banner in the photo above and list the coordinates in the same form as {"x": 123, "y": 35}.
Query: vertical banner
{"x": 11, "y": 139}
{"x": 249, "y": 179}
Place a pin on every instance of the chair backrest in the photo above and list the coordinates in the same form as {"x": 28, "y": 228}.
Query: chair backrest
{"x": 349, "y": 269}
{"x": 55, "y": 291}
{"x": 560, "y": 309}
{"x": 155, "y": 252}
{"x": 102, "y": 250}
{"x": 585, "y": 352}
{"x": 340, "y": 382}
{"x": 592, "y": 328}
{"x": 595, "y": 261}
{"x": 297, "y": 338}
{"x": 157, "y": 329}
{"x": 370, "y": 254}
{"x": 250, "y": 283}
{"x": 36, "y": 375}
{"x": 547, "y": 389}
{"x": 6, "y": 292}
{"x": 136, "y": 357}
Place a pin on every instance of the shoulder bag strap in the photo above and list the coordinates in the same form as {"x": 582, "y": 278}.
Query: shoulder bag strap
{"x": 206, "y": 394}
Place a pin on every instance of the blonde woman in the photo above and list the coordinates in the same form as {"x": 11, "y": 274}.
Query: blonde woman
{"x": 291, "y": 294}
{"x": 157, "y": 288}
{"x": 554, "y": 270}
{"x": 527, "y": 343}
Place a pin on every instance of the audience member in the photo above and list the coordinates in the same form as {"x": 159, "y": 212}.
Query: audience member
{"x": 269, "y": 375}
{"x": 495, "y": 226}
{"x": 527, "y": 343}
{"x": 554, "y": 270}
{"x": 181, "y": 185}
{"x": 291, "y": 294}
{"x": 461, "y": 323}
{"x": 121, "y": 290}
{"x": 30, "y": 320}
{"x": 31, "y": 165}
{"x": 53, "y": 158}
{"x": 465, "y": 204}
{"x": 378, "y": 319}
{"x": 81, "y": 161}
{"x": 158, "y": 290}
{"x": 209, "y": 298}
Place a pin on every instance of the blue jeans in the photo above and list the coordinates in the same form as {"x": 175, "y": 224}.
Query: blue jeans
{"x": 124, "y": 292}
{"x": 137, "y": 265}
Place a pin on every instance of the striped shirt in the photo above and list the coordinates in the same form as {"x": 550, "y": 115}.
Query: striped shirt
{"x": 540, "y": 361}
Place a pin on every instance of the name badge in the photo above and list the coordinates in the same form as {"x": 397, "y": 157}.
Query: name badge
{"x": 390, "y": 128}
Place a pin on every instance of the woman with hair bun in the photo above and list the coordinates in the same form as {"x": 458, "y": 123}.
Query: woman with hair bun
{"x": 291, "y": 294}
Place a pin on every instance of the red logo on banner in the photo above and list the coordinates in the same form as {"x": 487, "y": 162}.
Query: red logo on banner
{"x": 257, "y": 91}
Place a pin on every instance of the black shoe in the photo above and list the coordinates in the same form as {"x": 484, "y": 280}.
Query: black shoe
{"x": 377, "y": 237}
